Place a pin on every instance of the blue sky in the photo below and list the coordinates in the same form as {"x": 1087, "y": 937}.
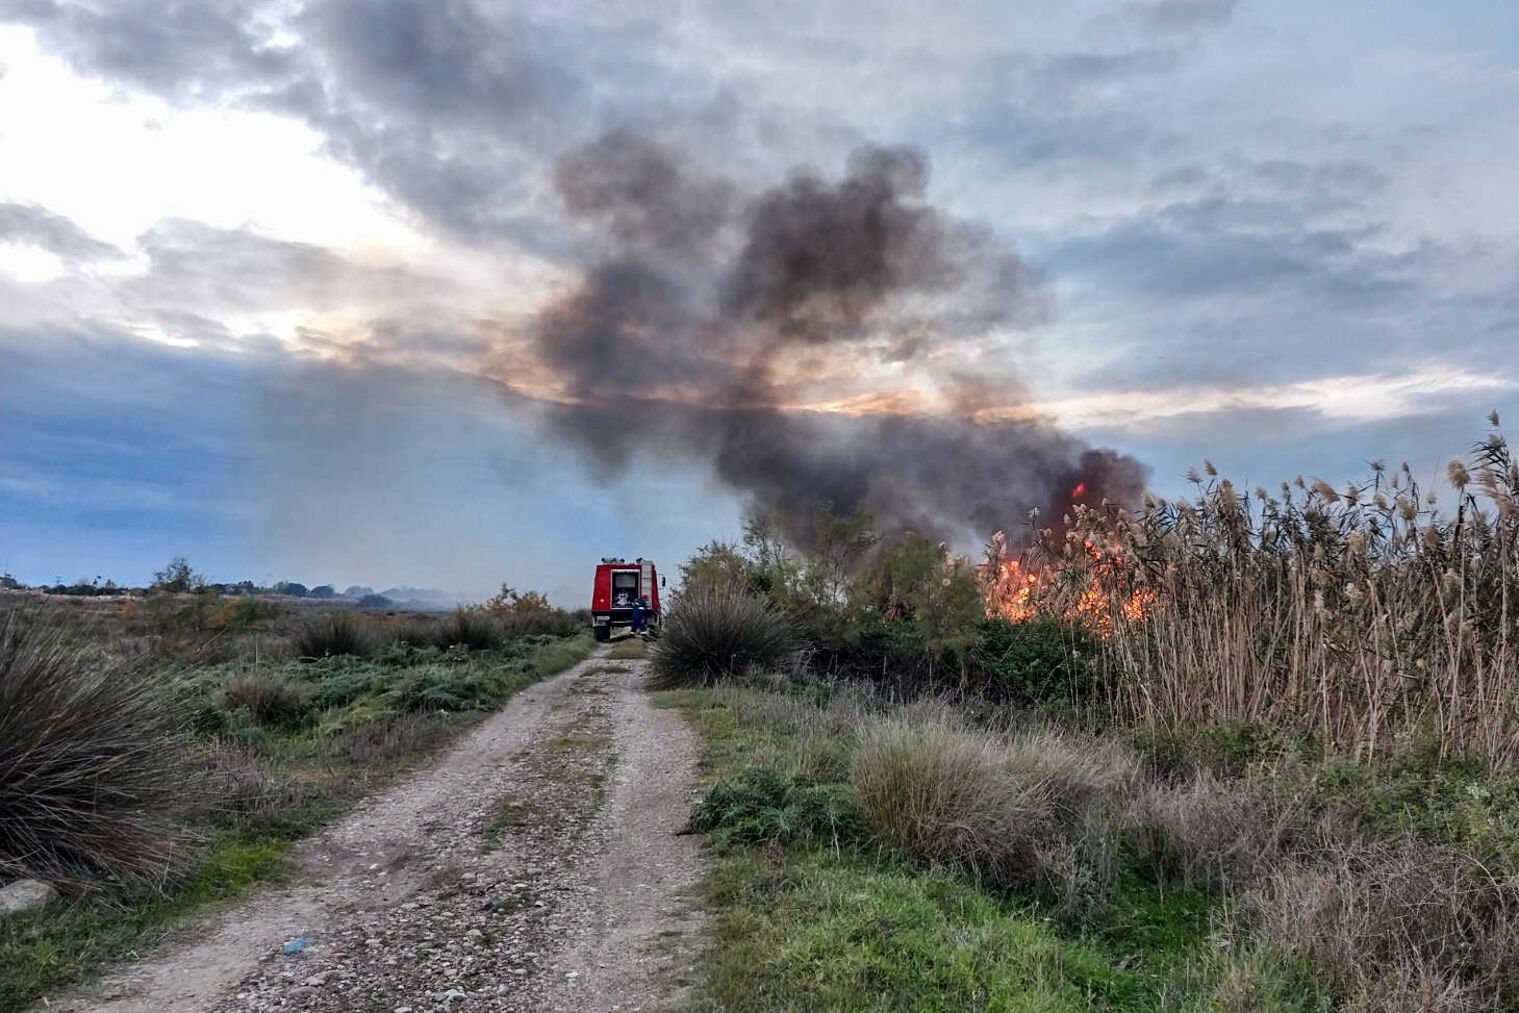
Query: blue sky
{"x": 274, "y": 276}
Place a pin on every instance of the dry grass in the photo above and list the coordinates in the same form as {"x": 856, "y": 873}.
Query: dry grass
{"x": 1026, "y": 808}
{"x": 267, "y": 699}
{"x": 627, "y": 649}
{"x": 92, "y": 774}
{"x": 1395, "y": 925}
{"x": 1360, "y": 616}
{"x": 715, "y": 634}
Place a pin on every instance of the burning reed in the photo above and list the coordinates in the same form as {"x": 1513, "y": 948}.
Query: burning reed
{"x": 1361, "y": 617}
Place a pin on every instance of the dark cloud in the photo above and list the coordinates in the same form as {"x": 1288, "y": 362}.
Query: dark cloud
{"x": 658, "y": 358}
{"x": 635, "y": 189}
{"x": 35, "y": 225}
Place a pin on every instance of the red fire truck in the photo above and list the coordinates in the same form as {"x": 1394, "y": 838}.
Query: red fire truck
{"x": 619, "y": 586}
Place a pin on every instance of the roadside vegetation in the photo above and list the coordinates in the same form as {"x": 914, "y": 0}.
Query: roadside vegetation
{"x": 1213, "y": 756}
{"x": 149, "y": 774}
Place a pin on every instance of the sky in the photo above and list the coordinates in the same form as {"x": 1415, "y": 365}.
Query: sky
{"x": 275, "y": 277}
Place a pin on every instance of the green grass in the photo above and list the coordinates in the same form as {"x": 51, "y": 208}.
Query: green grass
{"x": 54, "y": 948}
{"x": 557, "y": 655}
{"x": 813, "y": 926}
{"x": 364, "y": 720}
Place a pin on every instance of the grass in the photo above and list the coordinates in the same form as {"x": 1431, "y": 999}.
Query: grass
{"x": 1359, "y": 618}
{"x": 823, "y": 922}
{"x": 628, "y": 649}
{"x": 719, "y": 632}
{"x": 284, "y": 748}
{"x": 92, "y": 787}
{"x": 47, "y": 950}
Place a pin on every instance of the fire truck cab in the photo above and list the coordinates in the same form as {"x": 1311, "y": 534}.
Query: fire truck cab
{"x": 619, "y": 585}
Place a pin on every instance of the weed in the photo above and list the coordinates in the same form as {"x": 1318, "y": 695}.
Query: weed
{"x": 91, "y": 764}
{"x": 720, "y": 633}
{"x": 337, "y": 633}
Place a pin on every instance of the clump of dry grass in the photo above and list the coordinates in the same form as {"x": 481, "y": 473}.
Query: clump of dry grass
{"x": 267, "y": 699}
{"x": 92, "y": 774}
{"x": 1394, "y": 925}
{"x": 334, "y": 634}
{"x": 1032, "y": 808}
{"x": 1358, "y": 616}
{"x": 711, "y": 635}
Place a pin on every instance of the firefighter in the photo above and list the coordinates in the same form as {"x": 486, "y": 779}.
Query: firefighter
{"x": 640, "y": 607}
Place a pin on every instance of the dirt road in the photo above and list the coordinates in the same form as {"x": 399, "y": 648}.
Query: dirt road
{"x": 534, "y": 867}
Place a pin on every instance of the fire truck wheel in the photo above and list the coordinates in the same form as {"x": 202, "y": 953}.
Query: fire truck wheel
{"x": 602, "y": 633}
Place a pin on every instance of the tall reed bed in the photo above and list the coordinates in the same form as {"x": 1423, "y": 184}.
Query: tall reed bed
{"x": 1359, "y": 616}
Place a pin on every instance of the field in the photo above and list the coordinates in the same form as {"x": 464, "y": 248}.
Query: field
{"x": 211, "y": 735}
{"x": 1215, "y": 755}
{"x": 1223, "y": 753}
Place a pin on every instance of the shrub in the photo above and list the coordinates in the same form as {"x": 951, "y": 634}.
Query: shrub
{"x": 469, "y": 628}
{"x": 1034, "y": 808}
{"x": 334, "y": 634}
{"x": 267, "y": 699}
{"x": 1040, "y": 660}
{"x": 1395, "y": 925}
{"x": 1215, "y": 832}
{"x": 91, "y": 765}
{"x": 238, "y": 614}
{"x": 714, "y": 634}
{"x": 246, "y": 794}
{"x": 761, "y": 804}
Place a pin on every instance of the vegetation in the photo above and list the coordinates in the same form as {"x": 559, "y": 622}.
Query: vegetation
{"x": 150, "y": 789}
{"x": 1219, "y": 754}
{"x": 716, "y": 632}
{"x": 1360, "y": 617}
{"x": 826, "y": 913}
{"x": 90, "y": 784}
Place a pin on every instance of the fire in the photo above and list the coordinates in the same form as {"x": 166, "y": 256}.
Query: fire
{"x": 1019, "y": 590}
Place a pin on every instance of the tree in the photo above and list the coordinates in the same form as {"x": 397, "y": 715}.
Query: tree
{"x": 716, "y": 566}
{"x": 840, "y": 545}
{"x": 292, "y": 588}
{"x": 178, "y": 577}
{"x": 509, "y": 599}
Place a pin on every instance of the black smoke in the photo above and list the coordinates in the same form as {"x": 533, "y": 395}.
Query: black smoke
{"x": 705, "y": 307}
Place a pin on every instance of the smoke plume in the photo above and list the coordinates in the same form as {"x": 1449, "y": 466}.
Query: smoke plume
{"x": 719, "y": 325}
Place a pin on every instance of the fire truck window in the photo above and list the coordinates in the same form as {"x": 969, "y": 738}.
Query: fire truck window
{"x": 624, "y": 589}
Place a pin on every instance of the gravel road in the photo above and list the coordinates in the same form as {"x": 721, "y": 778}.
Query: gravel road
{"x": 535, "y": 867}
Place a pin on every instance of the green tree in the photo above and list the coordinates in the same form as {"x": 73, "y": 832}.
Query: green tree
{"x": 178, "y": 577}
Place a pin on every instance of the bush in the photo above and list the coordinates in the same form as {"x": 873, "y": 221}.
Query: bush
{"x": 1033, "y": 808}
{"x": 267, "y": 699}
{"x": 92, "y": 774}
{"x": 1395, "y": 926}
{"x": 334, "y": 634}
{"x": 719, "y": 633}
{"x": 761, "y": 804}
{"x": 474, "y": 630}
{"x": 1038, "y": 661}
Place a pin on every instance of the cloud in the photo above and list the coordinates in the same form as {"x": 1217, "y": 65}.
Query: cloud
{"x": 185, "y": 50}
{"x": 1352, "y": 397}
{"x": 1179, "y": 17}
{"x": 205, "y": 270}
{"x": 34, "y": 225}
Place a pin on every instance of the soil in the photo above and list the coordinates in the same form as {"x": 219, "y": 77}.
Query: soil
{"x": 537, "y": 866}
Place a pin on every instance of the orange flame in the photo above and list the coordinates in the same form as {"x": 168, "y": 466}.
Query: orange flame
{"x": 1019, "y": 590}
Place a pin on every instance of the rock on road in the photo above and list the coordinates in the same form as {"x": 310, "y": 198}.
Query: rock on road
{"x": 534, "y": 867}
